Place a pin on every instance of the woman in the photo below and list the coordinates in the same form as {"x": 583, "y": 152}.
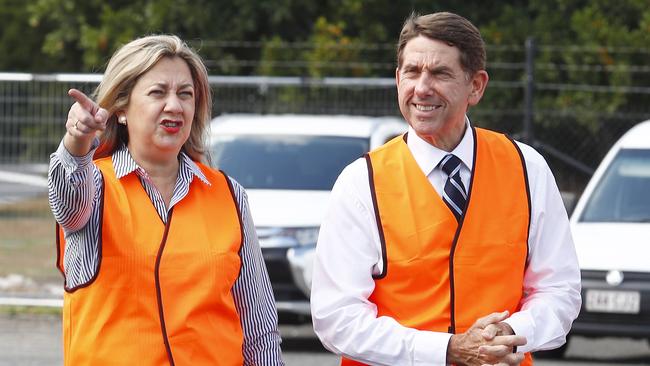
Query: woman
{"x": 158, "y": 251}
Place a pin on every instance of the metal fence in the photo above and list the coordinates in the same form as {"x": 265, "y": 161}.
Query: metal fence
{"x": 33, "y": 109}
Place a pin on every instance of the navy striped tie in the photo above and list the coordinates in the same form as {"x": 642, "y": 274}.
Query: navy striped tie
{"x": 454, "y": 193}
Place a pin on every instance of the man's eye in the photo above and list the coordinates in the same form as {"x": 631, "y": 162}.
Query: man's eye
{"x": 410, "y": 72}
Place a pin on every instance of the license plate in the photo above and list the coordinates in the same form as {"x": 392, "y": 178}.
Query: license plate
{"x": 624, "y": 302}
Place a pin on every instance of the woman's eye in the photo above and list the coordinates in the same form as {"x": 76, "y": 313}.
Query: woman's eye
{"x": 156, "y": 92}
{"x": 187, "y": 94}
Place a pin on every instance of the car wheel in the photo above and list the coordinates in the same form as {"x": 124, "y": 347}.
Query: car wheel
{"x": 553, "y": 353}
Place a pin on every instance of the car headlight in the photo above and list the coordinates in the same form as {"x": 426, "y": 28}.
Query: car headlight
{"x": 305, "y": 236}
{"x": 302, "y": 236}
{"x": 301, "y": 262}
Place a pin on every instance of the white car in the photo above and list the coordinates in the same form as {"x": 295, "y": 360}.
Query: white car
{"x": 611, "y": 230}
{"x": 288, "y": 165}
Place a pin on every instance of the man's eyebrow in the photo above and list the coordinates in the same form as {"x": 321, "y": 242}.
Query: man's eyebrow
{"x": 436, "y": 70}
{"x": 410, "y": 67}
{"x": 440, "y": 69}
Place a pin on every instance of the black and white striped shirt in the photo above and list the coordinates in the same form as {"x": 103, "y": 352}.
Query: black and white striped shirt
{"x": 75, "y": 185}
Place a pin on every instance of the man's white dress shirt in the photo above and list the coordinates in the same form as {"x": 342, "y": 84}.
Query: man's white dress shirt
{"x": 349, "y": 253}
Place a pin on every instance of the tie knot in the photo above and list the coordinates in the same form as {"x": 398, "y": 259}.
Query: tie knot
{"x": 449, "y": 164}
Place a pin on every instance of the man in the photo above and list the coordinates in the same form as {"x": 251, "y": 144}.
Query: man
{"x": 449, "y": 244}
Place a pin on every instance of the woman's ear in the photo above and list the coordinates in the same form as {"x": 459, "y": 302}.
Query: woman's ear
{"x": 121, "y": 118}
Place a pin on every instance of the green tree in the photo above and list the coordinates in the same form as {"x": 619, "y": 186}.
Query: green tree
{"x": 21, "y": 41}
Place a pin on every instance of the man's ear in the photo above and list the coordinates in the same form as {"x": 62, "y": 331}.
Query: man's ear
{"x": 479, "y": 83}
{"x": 397, "y": 76}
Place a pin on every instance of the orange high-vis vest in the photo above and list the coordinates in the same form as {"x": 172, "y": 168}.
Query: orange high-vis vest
{"x": 440, "y": 275}
{"x": 162, "y": 292}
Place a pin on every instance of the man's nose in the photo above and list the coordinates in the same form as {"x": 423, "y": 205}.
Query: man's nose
{"x": 424, "y": 85}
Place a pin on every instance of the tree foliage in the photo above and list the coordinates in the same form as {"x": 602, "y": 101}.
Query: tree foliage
{"x": 79, "y": 35}
{"x": 591, "y": 55}
{"x": 580, "y": 41}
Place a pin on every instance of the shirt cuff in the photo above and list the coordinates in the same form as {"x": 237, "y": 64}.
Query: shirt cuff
{"x": 430, "y": 348}
{"x": 523, "y": 325}
{"x": 73, "y": 163}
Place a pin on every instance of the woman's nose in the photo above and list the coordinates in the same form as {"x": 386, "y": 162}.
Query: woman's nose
{"x": 173, "y": 104}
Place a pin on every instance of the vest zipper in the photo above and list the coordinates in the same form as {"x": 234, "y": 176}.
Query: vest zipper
{"x": 161, "y": 313}
{"x": 452, "y": 298}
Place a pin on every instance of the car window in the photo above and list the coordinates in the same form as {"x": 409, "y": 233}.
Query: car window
{"x": 286, "y": 161}
{"x": 623, "y": 193}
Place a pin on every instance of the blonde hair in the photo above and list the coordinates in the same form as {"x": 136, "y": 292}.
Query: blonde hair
{"x": 123, "y": 71}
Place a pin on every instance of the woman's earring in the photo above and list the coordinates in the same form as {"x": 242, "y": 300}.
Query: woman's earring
{"x": 122, "y": 120}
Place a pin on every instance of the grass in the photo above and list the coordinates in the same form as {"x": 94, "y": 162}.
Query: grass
{"x": 13, "y": 310}
{"x": 27, "y": 242}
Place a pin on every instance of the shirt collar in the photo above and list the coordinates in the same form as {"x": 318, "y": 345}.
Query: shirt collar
{"x": 191, "y": 167}
{"x": 428, "y": 156}
{"x": 123, "y": 164}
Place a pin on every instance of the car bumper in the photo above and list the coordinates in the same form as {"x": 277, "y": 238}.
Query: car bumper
{"x": 617, "y": 323}
{"x": 289, "y": 271}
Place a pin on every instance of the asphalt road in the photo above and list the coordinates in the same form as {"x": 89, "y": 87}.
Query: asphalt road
{"x": 34, "y": 340}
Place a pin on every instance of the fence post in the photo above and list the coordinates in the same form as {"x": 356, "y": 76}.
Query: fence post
{"x": 529, "y": 90}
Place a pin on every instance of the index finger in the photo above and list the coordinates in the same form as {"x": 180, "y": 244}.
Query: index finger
{"x": 511, "y": 359}
{"x": 83, "y": 100}
{"x": 509, "y": 340}
{"x": 489, "y": 332}
{"x": 495, "y": 351}
{"x": 491, "y": 319}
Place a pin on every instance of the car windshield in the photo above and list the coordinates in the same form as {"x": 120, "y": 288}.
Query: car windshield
{"x": 623, "y": 193}
{"x": 294, "y": 162}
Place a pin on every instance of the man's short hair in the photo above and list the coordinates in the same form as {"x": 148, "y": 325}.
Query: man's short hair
{"x": 451, "y": 29}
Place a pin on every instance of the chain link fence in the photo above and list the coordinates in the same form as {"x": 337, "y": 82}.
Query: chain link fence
{"x": 570, "y": 103}
{"x": 571, "y": 113}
